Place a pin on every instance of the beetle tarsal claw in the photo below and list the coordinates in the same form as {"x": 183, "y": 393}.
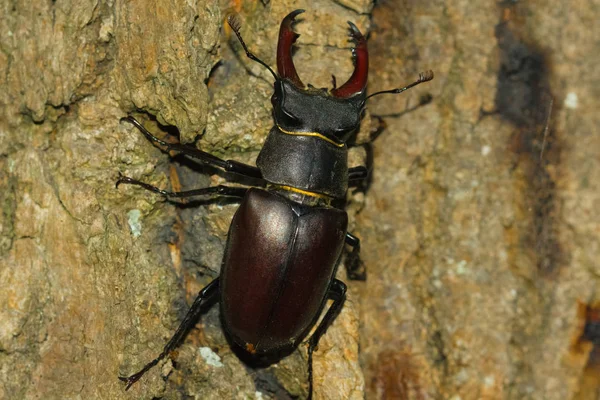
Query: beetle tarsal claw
{"x": 121, "y": 179}
{"x": 130, "y": 380}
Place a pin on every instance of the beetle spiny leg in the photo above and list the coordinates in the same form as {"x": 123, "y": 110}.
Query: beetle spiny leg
{"x": 130, "y": 380}
{"x": 336, "y": 292}
{"x": 144, "y": 131}
{"x": 204, "y": 157}
{"x": 189, "y": 321}
{"x": 219, "y": 190}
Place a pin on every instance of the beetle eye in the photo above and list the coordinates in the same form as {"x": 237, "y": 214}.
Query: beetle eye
{"x": 289, "y": 119}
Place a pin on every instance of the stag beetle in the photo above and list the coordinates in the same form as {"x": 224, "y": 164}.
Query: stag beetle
{"x": 286, "y": 238}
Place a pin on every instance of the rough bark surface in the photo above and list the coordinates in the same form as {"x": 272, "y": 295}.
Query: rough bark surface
{"x": 479, "y": 228}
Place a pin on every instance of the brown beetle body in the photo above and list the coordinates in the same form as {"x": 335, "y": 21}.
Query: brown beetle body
{"x": 279, "y": 262}
{"x": 286, "y": 238}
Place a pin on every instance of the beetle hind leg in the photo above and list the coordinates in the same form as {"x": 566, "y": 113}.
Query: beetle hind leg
{"x": 355, "y": 269}
{"x": 189, "y": 321}
{"x": 337, "y": 292}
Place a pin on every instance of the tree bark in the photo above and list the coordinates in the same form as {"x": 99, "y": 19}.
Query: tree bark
{"x": 479, "y": 227}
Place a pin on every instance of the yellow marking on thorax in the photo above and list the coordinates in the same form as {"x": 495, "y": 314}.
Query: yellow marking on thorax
{"x": 304, "y": 192}
{"x": 313, "y": 134}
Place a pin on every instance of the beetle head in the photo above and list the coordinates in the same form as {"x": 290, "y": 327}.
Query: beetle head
{"x": 335, "y": 114}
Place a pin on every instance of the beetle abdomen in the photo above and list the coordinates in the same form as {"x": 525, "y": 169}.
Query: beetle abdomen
{"x": 277, "y": 268}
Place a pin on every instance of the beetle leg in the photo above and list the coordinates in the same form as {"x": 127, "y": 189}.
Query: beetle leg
{"x": 207, "y": 158}
{"x": 358, "y": 173}
{"x": 218, "y": 190}
{"x": 355, "y": 269}
{"x": 186, "y": 325}
{"x": 336, "y": 292}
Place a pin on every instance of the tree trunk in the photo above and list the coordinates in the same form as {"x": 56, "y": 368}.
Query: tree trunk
{"x": 478, "y": 227}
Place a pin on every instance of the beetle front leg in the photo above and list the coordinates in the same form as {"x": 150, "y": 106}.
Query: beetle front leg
{"x": 206, "y": 158}
{"x": 336, "y": 292}
{"x": 211, "y": 190}
{"x": 186, "y": 325}
{"x": 355, "y": 269}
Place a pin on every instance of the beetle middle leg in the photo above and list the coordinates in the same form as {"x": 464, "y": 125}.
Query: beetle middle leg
{"x": 220, "y": 190}
{"x": 337, "y": 292}
{"x": 206, "y": 295}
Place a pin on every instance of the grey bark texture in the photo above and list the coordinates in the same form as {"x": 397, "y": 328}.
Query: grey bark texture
{"x": 479, "y": 227}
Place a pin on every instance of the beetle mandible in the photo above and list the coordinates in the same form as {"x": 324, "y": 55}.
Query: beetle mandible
{"x": 286, "y": 238}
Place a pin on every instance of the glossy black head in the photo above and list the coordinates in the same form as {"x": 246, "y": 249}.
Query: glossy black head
{"x": 334, "y": 113}
{"x": 314, "y": 110}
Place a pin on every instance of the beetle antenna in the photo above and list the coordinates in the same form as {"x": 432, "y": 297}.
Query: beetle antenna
{"x": 234, "y": 22}
{"x": 423, "y": 77}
